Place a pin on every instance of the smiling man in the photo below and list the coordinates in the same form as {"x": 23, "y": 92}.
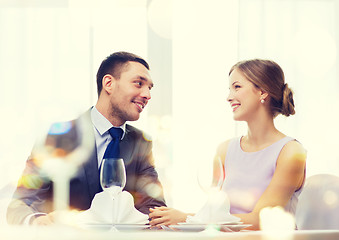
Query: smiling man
{"x": 124, "y": 88}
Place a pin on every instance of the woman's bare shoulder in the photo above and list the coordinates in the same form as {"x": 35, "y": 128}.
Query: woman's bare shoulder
{"x": 294, "y": 149}
{"x": 293, "y": 152}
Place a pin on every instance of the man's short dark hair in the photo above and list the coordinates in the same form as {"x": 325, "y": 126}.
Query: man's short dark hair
{"x": 114, "y": 65}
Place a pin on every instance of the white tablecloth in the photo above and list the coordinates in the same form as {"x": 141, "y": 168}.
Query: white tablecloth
{"x": 69, "y": 233}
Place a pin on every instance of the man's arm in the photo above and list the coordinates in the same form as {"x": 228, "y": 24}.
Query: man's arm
{"x": 149, "y": 191}
{"x": 30, "y": 196}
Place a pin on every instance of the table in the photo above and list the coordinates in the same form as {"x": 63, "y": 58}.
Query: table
{"x": 69, "y": 233}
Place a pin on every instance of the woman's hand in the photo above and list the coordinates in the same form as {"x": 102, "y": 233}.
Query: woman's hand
{"x": 166, "y": 216}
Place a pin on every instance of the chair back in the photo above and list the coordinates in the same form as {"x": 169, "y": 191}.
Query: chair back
{"x": 318, "y": 206}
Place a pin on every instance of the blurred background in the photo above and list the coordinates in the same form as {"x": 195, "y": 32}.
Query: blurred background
{"x": 50, "y": 51}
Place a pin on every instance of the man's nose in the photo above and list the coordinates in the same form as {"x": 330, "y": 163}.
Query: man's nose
{"x": 146, "y": 93}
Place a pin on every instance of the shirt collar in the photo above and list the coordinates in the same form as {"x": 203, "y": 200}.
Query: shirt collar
{"x": 102, "y": 124}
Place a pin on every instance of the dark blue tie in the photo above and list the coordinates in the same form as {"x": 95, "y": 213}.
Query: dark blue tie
{"x": 113, "y": 150}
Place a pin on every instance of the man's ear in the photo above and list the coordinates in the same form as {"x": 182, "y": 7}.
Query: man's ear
{"x": 108, "y": 82}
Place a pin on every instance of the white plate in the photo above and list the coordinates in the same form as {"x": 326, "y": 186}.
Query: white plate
{"x": 234, "y": 228}
{"x": 102, "y": 227}
{"x": 119, "y": 227}
{"x": 217, "y": 223}
{"x": 189, "y": 227}
{"x": 202, "y": 227}
{"x": 130, "y": 227}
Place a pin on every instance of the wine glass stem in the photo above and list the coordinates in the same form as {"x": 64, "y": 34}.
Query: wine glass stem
{"x": 61, "y": 194}
{"x": 114, "y": 220}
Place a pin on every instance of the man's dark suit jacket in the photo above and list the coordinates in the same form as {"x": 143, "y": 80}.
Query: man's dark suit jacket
{"x": 36, "y": 194}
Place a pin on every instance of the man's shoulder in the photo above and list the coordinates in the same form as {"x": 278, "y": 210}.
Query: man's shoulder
{"x": 138, "y": 133}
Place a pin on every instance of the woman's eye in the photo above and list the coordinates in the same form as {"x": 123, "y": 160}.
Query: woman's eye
{"x": 236, "y": 86}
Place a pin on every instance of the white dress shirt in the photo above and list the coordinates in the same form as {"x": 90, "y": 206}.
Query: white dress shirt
{"x": 102, "y": 137}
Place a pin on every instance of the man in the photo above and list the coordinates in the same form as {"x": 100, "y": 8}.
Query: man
{"x": 123, "y": 85}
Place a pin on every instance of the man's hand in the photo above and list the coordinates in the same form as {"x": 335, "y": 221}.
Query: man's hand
{"x": 166, "y": 216}
{"x": 44, "y": 220}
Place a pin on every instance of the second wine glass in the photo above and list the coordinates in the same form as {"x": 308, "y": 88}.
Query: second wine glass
{"x": 211, "y": 175}
{"x": 113, "y": 176}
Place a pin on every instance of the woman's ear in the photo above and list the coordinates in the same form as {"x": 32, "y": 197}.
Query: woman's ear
{"x": 264, "y": 95}
{"x": 108, "y": 83}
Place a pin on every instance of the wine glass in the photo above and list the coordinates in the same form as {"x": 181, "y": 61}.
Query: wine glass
{"x": 211, "y": 175}
{"x": 59, "y": 151}
{"x": 113, "y": 176}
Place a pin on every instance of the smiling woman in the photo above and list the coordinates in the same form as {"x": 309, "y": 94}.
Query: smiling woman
{"x": 258, "y": 93}
{"x": 264, "y": 168}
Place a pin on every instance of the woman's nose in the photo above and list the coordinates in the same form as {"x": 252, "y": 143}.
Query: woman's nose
{"x": 229, "y": 97}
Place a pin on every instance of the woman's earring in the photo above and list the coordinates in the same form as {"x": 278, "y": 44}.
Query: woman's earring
{"x": 262, "y": 100}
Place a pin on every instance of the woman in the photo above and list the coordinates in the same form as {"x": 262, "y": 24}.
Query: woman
{"x": 265, "y": 167}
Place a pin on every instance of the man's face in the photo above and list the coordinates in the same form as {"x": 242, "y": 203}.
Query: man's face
{"x": 130, "y": 93}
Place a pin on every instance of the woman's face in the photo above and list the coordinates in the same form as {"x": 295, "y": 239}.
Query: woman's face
{"x": 244, "y": 97}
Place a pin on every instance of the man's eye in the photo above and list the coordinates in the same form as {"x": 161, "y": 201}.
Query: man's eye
{"x": 139, "y": 83}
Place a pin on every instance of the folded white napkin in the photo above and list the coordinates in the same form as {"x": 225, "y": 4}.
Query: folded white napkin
{"x": 216, "y": 210}
{"x": 105, "y": 210}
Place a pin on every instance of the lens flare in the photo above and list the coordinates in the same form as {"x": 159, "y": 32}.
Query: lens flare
{"x": 60, "y": 128}
{"x": 276, "y": 223}
{"x": 30, "y": 181}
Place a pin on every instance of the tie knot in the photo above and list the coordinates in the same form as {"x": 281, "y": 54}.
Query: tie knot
{"x": 116, "y": 133}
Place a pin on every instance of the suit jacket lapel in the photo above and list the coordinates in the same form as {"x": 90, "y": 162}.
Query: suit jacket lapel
{"x": 126, "y": 146}
{"x": 92, "y": 174}
{"x": 91, "y": 165}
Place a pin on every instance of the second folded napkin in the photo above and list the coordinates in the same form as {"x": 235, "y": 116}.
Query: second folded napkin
{"x": 105, "y": 210}
{"x": 216, "y": 210}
